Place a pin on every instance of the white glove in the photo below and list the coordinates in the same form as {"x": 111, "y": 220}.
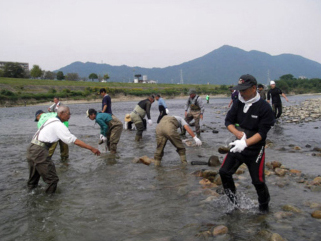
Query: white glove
{"x": 103, "y": 138}
{"x": 244, "y": 136}
{"x": 167, "y": 111}
{"x": 197, "y": 141}
{"x": 150, "y": 122}
{"x": 126, "y": 125}
{"x": 239, "y": 145}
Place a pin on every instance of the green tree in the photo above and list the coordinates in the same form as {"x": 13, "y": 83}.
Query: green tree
{"x": 106, "y": 77}
{"x": 60, "y": 75}
{"x": 287, "y": 77}
{"x": 72, "y": 76}
{"x": 49, "y": 75}
{"x": 35, "y": 72}
{"x": 13, "y": 70}
{"x": 93, "y": 76}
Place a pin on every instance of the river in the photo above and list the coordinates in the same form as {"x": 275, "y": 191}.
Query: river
{"x": 108, "y": 198}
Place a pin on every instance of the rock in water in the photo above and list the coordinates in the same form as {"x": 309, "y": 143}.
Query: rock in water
{"x": 221, "y": 229}
{"x": 145, "y": 159}
{"x": 214, "y": 161}
{"x": 223, "y": 149}
{"x": 316, "y": 214}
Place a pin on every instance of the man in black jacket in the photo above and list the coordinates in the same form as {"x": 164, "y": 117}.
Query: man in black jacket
{"x": 274, "y": 94}
{"x": 249, "y": 119}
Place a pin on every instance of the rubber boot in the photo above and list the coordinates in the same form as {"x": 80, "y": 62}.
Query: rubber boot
{"x": 138, "y": 138}
{"x": 183, "y": 159}
{"x": 157, "y": 163}
{"x": 231, "y": 196}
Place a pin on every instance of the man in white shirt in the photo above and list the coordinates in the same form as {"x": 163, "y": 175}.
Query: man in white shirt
{"x": 40, "y": 164}
{"x": 54, "y": 107}
{"x": 167, "y": 130}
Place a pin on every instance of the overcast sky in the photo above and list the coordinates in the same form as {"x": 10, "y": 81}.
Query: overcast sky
{"x": 153, "y": 33}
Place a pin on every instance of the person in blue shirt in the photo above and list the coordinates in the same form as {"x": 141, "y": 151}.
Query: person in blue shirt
{"x": 110, "y": 128}
{"x": 106, "y": 102}
{"x": 161, "y": 107}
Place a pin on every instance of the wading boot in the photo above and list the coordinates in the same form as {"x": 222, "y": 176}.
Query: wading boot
{"x": 138, "y": 138}
{"x": 264, "y": 208}
{"x": 183, "y": 159}
{"x": 157, "y": 163}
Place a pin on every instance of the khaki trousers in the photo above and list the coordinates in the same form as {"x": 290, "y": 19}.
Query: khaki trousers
{"x": 194, "y": 114}
{"x": 114, "y": 133}
{"x": 167, "y": 130}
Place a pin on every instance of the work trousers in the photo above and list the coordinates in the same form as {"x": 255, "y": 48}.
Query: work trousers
{"x": 162, "y": 112}
{"x": 167, "y": 130}
{"x": 138, "y": 121}
{"x": 255, "y": 161}
{"x": 194, "y": 114}
{"x": 64, "y": 150}
{"x": 277, "y": 109}
{"x": 115, "y": 128}
{"x": 40, "y": 165}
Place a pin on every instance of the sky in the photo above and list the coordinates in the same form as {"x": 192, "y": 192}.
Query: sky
{"x": 153, "y": 33}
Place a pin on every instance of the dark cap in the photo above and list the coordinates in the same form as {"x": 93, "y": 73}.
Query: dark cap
{"x": 246, "y": 81}
{"x": 191, "y": 91}
{"x": 38, "y": 113}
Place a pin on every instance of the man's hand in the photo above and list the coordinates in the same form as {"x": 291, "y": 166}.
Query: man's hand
{"x": 150, "y": 122}
{"x": 103, "y": 138}
{"x": 239, "y": 145}
{"x": 197, "y": 141}
{"x": 167, "y": 111}
{"x": 95, "y": 151}
{"x": 201, "y": 116}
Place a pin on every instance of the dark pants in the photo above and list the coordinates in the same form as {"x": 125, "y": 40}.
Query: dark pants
{"x": 162, "y": 112}
{"x": 277, "y": 109}
{"x": 255, "y": 161}
{"x": 40, "y": 165}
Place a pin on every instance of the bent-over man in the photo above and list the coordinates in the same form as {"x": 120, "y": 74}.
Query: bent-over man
{"x": 41, "y": 118}
{"x": 249, "y": 119}
{"x": 110, "y": 128}
{"x": 40, "y": 164}
{"x": 138, "y": 114}
{"x": 167, "y": 130}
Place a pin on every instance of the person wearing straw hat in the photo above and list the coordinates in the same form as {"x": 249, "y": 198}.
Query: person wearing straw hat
{"x": 167, "y": 130}
{"x": 274, "y": 94}
{"x": 138, "y": 114}
{"x": 128, "y": 122}
{"x": 110, "y": 128}
{"x": 249, "y": 119}
{"x": 196, "y": 111}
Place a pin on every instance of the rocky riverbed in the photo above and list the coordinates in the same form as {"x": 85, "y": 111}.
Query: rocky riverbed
{"x": 113, "y": 198}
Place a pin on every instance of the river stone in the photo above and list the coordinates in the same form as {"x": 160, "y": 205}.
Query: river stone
{"x": 276, "y": 164}
{"x": 316, "y": 188}
{"x": 209, "y": 199}
{"x": 267, "y": 173}
{"x": 210, "y": 192}
{"x": 240, "y": 171}
{"x": 135, "y": 160}
{"x": 223, "y": 149}
{"x": 316, "y": 181}
{"x": 218, "y": 180}
{"x": 145, "y": 159}
{"x": 221, "y": 229}
{"x": 269, "y": 165}
{"x": 317, "y": 149}
{"x": 316, "y": 214}
{"x": 282, "y": 214}
{"x": 291, "y": 208}
{"x": 280, "y": 172}
{"x": 209, "y": 173}
{"x": 294, "y": 171}
{"x": 214, "y": 161}
{"x": 277, "y": 237}
{"x": 297, "y": 148}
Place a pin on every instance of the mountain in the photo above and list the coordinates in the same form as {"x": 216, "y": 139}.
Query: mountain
{"x": 221, "y": 66}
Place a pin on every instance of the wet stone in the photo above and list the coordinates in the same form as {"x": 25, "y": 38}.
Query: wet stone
{"x": 214, "y": 161}
{"x": 316, "y": 181}
{"x": 219, "y": 230}
{"x": 316, "y": 214}
{"x": 223, "y": 149}
{"x": 282, "y": 214}
{"x": 276, "y": 237}
{"x": 291, "y": 208}
{"x": 276, "y": 164}
{"x": 280, "y": 172}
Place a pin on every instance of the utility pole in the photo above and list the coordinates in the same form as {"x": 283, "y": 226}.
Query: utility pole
{"x": 182, "y": 81}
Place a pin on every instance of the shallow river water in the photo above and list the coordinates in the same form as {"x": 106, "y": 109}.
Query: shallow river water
{"x": 107, "y": 198}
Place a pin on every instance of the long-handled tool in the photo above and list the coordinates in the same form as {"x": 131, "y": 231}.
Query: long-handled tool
{"x": 212, "y": 161}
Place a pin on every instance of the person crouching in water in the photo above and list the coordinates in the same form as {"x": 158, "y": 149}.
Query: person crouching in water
{"x": 110, "y": 128}
{"x": 138, "y": 114}
{"x": 167, "y": 130}
{"x": 249, "y": 119}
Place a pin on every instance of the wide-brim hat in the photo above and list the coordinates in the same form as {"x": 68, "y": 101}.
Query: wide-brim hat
{"x": 246, "y": 81}
{"x": 127, "y": 118}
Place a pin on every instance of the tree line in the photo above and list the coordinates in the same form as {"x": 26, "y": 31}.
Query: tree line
{"x": 15, "y": 70}
{"x": 288, "y": 84}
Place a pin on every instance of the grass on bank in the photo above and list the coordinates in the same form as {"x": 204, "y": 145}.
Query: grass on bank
{"x": 30, "y": 91}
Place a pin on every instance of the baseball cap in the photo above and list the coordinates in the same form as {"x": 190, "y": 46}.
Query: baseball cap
{"x": 38, "y": 113}
{"x": 272, "y": 82}
{"x": 246, "y": 81}
{"x": 192, "y": 91}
